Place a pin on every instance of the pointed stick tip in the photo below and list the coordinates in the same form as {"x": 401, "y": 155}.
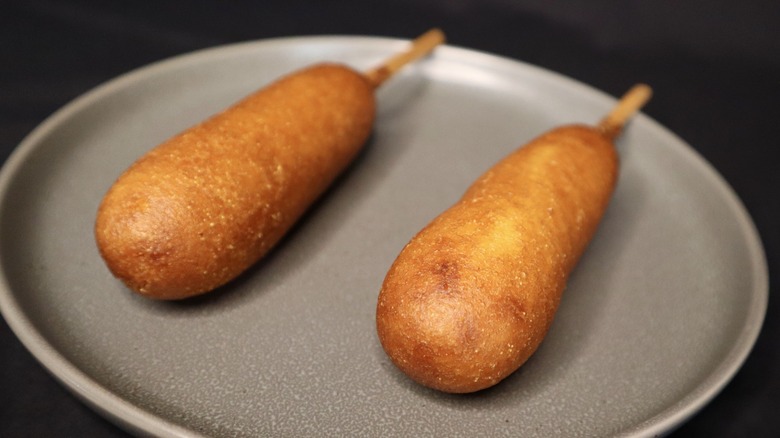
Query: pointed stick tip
{"x": 628, "y": 105}
{"x": 420, "y": 46}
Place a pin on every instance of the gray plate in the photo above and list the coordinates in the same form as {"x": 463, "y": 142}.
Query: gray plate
{"x": 662, "y": 311}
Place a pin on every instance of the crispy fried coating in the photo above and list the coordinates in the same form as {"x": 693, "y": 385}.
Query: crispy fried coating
{"x": 471, "y": 297}
{"x": 196, "y": 211}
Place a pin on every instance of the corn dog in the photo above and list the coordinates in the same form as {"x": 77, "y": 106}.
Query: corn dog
{"x": 472, "y": 295}
{"x": 199, "y": 209}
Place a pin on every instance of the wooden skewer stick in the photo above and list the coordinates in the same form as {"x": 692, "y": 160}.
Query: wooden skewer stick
{"x": 420, "y": 47}
{"x": 629, "y": 104}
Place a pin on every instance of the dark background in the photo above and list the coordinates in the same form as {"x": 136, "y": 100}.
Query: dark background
{"x": 714, "y": 65}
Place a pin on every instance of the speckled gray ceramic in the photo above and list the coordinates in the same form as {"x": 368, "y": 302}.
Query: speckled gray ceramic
{"x": 661, "y": 312}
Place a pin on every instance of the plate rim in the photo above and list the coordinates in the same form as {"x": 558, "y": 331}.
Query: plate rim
{"x": 135, "y": 418}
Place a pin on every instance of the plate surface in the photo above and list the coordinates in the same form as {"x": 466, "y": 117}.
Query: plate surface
{"x": 660, "y": 313}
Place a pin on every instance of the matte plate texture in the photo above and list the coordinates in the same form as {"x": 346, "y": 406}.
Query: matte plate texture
{"x": 660, "y": 313}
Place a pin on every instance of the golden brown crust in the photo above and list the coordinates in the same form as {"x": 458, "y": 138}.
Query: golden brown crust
{"x": 471, "y": 296}
{"x": 199, "y": 209}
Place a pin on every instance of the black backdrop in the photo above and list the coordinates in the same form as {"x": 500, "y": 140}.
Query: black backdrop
{"x": 715, "y": 67}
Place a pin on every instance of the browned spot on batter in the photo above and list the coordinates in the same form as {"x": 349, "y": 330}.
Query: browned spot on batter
{"x": 467, "y": 331}
{"x": 447, "y": 275}
{"x": 514, "y": 306}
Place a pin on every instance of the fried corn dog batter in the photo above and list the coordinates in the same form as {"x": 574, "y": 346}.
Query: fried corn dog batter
{"x": 472, "y": 295}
